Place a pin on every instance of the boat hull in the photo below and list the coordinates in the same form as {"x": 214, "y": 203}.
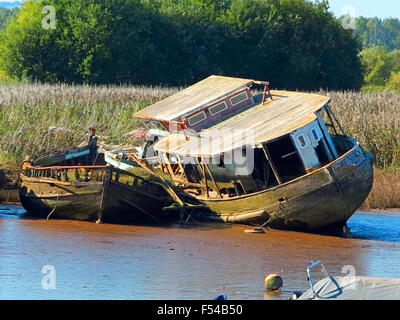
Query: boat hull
{"x": 132, "y": 200}
{"x": 44, "y": 200}
{"x": 324, "y": 199}
{"x": 113, "y": 197}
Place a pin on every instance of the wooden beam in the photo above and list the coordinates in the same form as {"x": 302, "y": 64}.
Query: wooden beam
{"x": 204, "y": 175}
{"x": 165, "y": 184}
{"x": 266, "y": 89}
{"x": 106, "y": 182}
{"x": 334, "y": 117}
{"x": 271, "y": 162}
{"x": 212, "y": 178}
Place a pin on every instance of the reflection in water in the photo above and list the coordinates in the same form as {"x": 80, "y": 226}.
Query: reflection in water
{"x": 11, "y": 211}
{"x": 130, "y": 262}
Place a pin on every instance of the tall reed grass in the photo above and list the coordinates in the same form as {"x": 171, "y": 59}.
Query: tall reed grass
{"x": 374, "y": 119}
{"x": 27, "y": 111}
{"x": 385, "y": 191}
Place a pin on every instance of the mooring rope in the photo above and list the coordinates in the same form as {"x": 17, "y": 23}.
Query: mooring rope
{"x": 55, "y": 207}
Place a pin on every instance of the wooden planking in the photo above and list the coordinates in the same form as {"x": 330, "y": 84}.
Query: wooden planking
{"x": 192, "y": 98}
{"x": 286, "y": 113}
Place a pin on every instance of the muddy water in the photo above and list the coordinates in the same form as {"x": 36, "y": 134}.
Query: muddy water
{"x": 134, "y": 262}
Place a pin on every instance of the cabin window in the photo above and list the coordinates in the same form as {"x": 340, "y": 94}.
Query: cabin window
{"x": 218, "y": 108}
{"x": 286, "y": 158}
{"x": 315, "y": 135}
{"x": 198, "y": 117}
{"x": 151, "y": 124}
{"x": 302, "y": 140}
{"x": 239, "y": 98}
{"x": 157, "y": 125}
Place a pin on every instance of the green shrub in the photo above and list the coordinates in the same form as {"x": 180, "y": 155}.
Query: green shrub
{"x": 393, "y": 83}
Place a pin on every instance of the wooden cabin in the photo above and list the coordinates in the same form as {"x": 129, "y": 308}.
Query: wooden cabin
{"x": 281, "y": 136}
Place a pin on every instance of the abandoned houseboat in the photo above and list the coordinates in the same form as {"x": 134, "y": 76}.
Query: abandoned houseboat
{"x": 77, "y": 184}
{"x": 258, "y": 156}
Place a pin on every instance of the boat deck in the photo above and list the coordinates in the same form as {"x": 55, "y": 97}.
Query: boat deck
{"x": 193, "y": 98}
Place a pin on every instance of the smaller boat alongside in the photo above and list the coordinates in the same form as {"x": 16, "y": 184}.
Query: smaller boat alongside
{"x": 77, "y": 184}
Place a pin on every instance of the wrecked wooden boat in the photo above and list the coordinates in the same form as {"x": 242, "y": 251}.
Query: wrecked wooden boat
{"x": 258, "y": 156}
{"x": 77, "y": 184}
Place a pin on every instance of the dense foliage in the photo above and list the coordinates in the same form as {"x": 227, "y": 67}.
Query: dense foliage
{"x": 5, "y": 14}
{"x": 378, "y": 32}
{"x": 381, "y": 68}
{"x": 295, "y": 44}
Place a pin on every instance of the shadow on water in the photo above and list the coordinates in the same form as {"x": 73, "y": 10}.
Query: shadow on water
{"x": 15, "y": 211}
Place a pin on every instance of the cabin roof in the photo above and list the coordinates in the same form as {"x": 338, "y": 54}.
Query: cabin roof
{"x": 284, "y": 114}
{"x": 193, "y": 98}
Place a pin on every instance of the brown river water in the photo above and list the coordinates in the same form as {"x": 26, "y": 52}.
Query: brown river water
{"x": 104, "y": 261}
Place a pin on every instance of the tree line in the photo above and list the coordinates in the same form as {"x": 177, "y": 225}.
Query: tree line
{"x": 295, "y": 44}
{"x": 373, "y": 32}
{"x": 380, "y": 57}
{"x": 6, "y": 14}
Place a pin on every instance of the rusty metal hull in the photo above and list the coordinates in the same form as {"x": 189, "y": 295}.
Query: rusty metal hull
{"x": 323, "y": 199}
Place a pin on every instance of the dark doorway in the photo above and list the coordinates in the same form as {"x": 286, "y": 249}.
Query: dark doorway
{"x": 286, "y": 158}
{"x": 262, "y": 174}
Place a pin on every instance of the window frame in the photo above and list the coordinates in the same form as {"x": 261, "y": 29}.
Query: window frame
{"x": 305, "y": 140}
{"x": 243, "y": 92}
{"x": 314, "y": 133}
{"x": 201, "y": 112}
{"x": 222, "y": 102}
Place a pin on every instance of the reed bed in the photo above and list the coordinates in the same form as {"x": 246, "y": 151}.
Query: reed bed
{"x": 385, "y": 191}
{"x": 374, "y": 119}
{"x": 37, "y": 119}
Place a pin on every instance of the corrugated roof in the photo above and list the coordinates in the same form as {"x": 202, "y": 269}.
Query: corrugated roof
{"x": 286, "y": 113}
{"x": 192, "y": 98}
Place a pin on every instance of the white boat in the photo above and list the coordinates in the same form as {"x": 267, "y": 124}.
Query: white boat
{"x": 350, "y": 287}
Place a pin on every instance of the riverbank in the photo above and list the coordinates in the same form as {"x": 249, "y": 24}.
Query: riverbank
{"x": 385, "y": 193}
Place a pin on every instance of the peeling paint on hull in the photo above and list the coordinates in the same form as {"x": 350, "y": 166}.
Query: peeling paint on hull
{"x": 123, "y": 203}
{"x": 323, "y": 199}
